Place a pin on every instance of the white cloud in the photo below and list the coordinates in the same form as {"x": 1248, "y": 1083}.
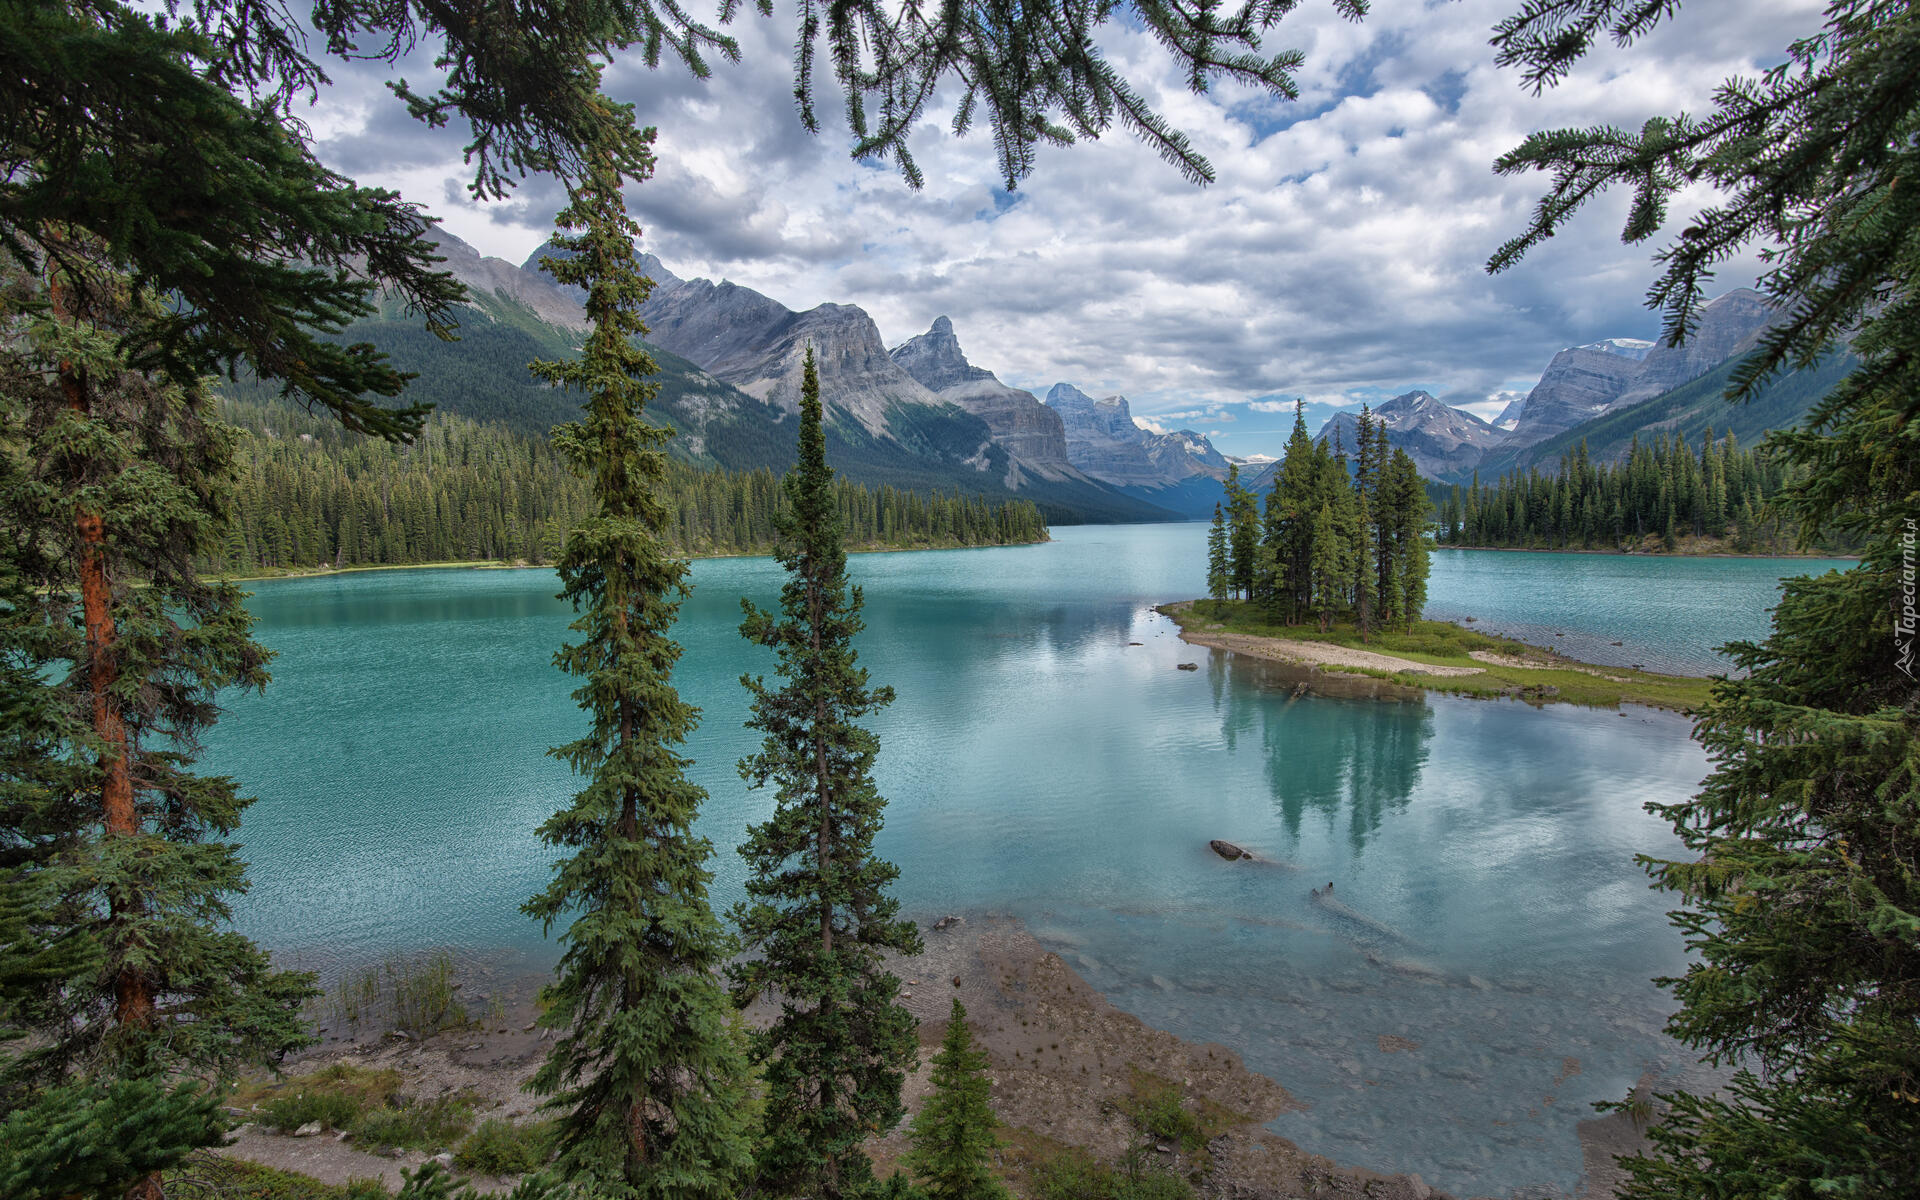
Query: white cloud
{"x": 1338, "y": 256}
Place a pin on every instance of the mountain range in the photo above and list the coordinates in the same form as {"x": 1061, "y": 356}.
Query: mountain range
{"x": 1606, "y": 393}
{"x": 922, "y": 415}
{"x": 916, "y": 415}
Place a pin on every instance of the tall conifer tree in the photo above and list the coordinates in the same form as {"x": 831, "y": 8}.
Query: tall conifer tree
{"x": 1385, "y": 516}
{"x": 1243, "y": 533}
{"x": 1217, "y": 555}
{"x": 1802, "y": 903}
{"x": 1409, "y": 506}
{"x": 114, "y": 884}
{"x": 1354, "y": 512}
{"x": 1292, "y": 508}
{"x": 819, "y": 910}
{"x": 647, "y": 1077}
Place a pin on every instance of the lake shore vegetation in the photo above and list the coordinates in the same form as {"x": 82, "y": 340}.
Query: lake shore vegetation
{"x": 1339, "y": 539}
{"x": 1665, "y": 497}
{"x": 127, "y": 1001}
{"x": 1435, "y": 655}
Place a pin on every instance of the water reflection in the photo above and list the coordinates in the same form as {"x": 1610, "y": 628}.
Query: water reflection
{"x": 1347, "y": 747}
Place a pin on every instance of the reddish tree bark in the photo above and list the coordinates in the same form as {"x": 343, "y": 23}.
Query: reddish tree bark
{"x": 132, "y": 992}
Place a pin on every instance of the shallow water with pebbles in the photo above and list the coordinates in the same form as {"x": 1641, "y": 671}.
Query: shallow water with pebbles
{"x": 1481, "y": 979}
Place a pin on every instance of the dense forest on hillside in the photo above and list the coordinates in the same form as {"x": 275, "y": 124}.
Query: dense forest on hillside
{"x": 1663, "y": 495}
{"x": 311, "y": 493}
{"x": 1781, "y": 403}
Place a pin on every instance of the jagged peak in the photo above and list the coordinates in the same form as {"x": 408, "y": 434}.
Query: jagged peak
{"x": 935, "y": 359}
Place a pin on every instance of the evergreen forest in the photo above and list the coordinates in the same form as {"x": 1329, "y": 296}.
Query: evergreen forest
{"x": 310, "y": 493}
{"x": 1340, "y": 539}
{"x": 1663, "y": 495}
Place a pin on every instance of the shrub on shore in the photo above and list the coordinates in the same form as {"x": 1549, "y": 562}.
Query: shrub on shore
{"x": 500, "y": 1147}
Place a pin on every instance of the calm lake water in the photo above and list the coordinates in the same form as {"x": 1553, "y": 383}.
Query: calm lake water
{"x": 1039, "y": 763}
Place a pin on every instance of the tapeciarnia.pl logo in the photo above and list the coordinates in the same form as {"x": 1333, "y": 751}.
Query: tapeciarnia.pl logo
{"x": 1906, "y": 620}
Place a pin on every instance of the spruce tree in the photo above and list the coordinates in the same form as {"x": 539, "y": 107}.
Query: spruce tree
{"x": 953, "y": 1135}
{"x": 1385, "y": 519}
{"x": 1331, "y": 565}
{"x": 646, "y": 1077}
{"x": 1243, "y": 533}
{"x": 130, "y": 1002}
{"x": 1367, "y": 600}
{"x": 1801, "y": 902}
{"x": 1410, "y": 506}
{"x": 819, "y": 912}
{"x": 1291, "y": 510}
{"x": 1217, "y": 555}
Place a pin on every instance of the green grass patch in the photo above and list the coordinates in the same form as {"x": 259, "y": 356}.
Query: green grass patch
{"x": 238, "y": 1179}
{"x": 500, "y": 1147}
{"x": 1548, "y": 677}
{"x": 1039, "y": 1168}
{"x": 335, "y": 1096}
{"x": 407, "y": 1124}
{"x": 1158, "y": 1109}
{"x": 363, "y": 1103}
{"x": 1073, "y": 1174}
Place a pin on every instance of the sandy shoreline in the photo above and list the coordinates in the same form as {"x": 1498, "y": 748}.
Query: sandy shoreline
{"x": 1305, "y": 653}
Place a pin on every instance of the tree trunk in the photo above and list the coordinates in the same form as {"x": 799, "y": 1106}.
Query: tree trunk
{"x": 132, "y": 992}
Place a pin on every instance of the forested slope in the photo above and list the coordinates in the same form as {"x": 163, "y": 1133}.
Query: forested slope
{"x": 312, "y": 494}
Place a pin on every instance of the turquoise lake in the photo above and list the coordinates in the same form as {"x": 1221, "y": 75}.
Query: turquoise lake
{"x": 1039, "y": 764}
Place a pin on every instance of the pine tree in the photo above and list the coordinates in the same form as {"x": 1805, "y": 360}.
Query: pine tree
{"x": 1330, "y": 566}
{"x": 1367, "y": 600}
{"x": 1243, "y": 533}
{"x": 953, "y": 1135}
{"x": 1802, "y": 904}
{"x": 647, "y": 1077}
{"x": 1410, "y": 506}
{"x": 1387, "y": 520}
{"x": 1217, "y": 580}
{"x": 135, "y": 1002}
{"x": 819, "y": 911}
{"x": 1291, "y": 508}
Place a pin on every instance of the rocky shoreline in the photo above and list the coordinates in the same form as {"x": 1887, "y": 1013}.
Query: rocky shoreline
{"x": 1066, "y": 1065}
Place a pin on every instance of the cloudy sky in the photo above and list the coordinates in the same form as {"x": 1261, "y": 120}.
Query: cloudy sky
{"x": 1338, "y": 256}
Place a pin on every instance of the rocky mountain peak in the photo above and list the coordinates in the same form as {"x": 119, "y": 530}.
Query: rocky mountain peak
{"x": 1438, "y": 437}
{"x": 1103, "y": 441}
{"x": 936, "y": 360}
{"x": 1633, "y": 348}
{"x": 1065, "y": 395}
